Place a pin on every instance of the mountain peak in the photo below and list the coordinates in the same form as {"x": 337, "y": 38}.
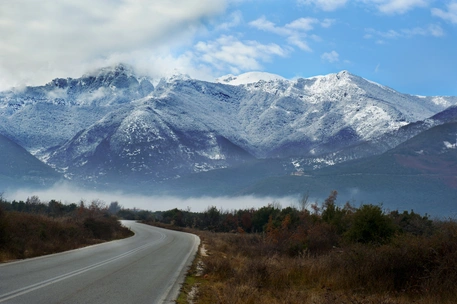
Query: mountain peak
{"x": 178, "y": 76}
{"x": 249, "y": 77}
{"x": 116, "y": 70}
{"x": 343, "y": 73}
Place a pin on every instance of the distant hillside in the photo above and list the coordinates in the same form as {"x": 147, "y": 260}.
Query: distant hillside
{"x": 420, "y": 174}
{"x": 19, "y": 168}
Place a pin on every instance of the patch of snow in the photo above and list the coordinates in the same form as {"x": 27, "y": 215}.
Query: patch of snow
{"x": 440, "y": 100}
{"x": 132, "y": 153}
{"x": 198, "y": 167}
{"x": 319, "y": 161}
{"x": 448, "y": 145}
{"x": 296, "y": 164}
{"x": 247, "y": 78}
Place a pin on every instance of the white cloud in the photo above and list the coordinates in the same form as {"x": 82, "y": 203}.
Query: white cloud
{"x": 376, "y": 69}
{"x": 302, "y": 24}
{"x": 431, "y": 30}
{"x": 325, "y": 5}
{"x": 434, "y": 30}
{"x": 331, "y": 56}
{"x": 46, "y": 39}
{"x": 371, "y": 33}
{"x": 229, "y": 53}
{"x": 449, "y": 15}
{"x": 315, "y": 38}
{"x": 162, "y": 63}
{"x": 235, "y": 19}
{"x": 327, "y": 22}
{"x": 397, "y": 6}
{"x": 265, "y": 25}
{"x": 295, "y": 32}
{"x": 299, "y": 42}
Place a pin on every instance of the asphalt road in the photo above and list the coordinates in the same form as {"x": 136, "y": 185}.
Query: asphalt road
{"x": 145, "y": 268}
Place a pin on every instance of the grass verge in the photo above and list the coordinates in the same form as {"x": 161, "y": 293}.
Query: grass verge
{"x": 243, "y": 268}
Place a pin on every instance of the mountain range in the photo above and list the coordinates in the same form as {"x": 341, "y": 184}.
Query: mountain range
{"x": 255, "y": 133}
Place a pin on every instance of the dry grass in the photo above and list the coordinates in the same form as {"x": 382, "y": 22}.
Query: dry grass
{"x": 329, "y": 255}
{"x": 243, "y": 268}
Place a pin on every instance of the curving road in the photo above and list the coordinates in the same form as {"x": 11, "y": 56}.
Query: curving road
{"x": 145, "y": 268}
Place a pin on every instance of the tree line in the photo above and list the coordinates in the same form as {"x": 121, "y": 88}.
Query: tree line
{"x": 310, "y": 227}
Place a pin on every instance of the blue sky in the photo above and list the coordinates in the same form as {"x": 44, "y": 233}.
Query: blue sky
{"x": 408, "y": 45}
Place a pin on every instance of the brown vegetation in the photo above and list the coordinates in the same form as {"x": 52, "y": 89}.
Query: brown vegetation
{"x": 44, "y": 228}
{"x": 330, "y": 255}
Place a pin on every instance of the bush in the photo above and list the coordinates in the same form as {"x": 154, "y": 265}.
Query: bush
{"x": 321, "y": 238}
{"x": 3, "y": 228}
{"x": 101, "y": 228}
{"x": 24, "y": 235}
{"x": 370, "y": 225}
{"x": 413, "y": 223}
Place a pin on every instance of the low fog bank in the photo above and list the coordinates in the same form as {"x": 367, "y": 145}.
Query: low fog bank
{"x": 436, "y": 207}
{"x": 69, "y": 194}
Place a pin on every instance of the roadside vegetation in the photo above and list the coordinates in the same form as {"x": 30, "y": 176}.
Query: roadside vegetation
{"x": 33, "y": 228}
{"x": 317, "y": 253}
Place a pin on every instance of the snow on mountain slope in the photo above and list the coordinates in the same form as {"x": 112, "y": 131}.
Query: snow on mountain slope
{"x": 138, "y": 144}
{"x": 381, "y": 144}
{"x": 111, "y": 123}
{"x": 42, "y": 117}
{"x": 337, "y": 109}
{"x": 350, "y": 90}
{"x": 250, "y": 77}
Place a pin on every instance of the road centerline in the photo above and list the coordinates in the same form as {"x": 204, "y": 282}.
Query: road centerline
{"x": 24, "y": 290}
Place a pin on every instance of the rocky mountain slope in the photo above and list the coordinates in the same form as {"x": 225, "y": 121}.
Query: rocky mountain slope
{"x": 381, "y": 144}
{"x": 114, "y": 127}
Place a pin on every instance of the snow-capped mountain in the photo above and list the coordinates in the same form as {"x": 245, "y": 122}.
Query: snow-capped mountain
{"x": 378, "y": 145}
{"x": 112, "y": 125}
{"x": 41, "y": 117}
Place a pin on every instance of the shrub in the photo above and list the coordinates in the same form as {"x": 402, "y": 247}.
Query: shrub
{"x": 101, "y": 228}
{"x": 3, "y": 228}
{"x": 261, "y": 217}
{"x": 370, "y": 225}
{"x": 335, "y": 216}
{"x": 321, "y": 238}
{"x": 413, "y": 223}
{"x": 24, "y": 235}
